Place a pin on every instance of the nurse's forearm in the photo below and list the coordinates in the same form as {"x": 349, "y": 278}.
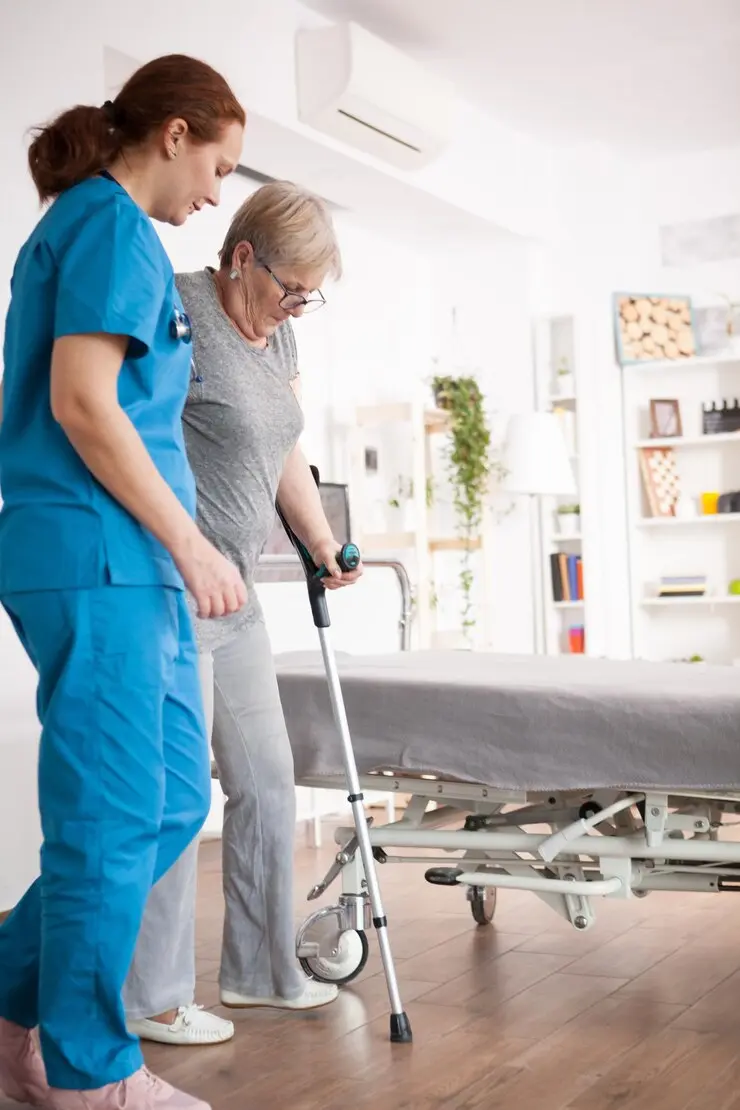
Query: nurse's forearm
{"x": 86, "y": 406}
{"x": 112, "y": 450}
{"x": 300, "y": 501}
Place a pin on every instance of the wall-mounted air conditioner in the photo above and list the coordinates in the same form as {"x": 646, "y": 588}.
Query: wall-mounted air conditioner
{"x": 357, "y": 88}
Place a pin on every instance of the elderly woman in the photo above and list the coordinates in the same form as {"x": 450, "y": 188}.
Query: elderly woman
{"x": 242, "y": 422}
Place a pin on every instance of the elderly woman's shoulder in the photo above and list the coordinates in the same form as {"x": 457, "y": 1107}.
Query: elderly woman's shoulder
{"x": 193, "y": 281}
{"x": 197, "y": 293}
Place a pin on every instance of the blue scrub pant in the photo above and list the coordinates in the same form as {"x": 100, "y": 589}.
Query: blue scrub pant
{"x": 124, "y": 786}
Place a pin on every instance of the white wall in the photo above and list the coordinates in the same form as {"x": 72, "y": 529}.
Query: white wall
{"x": 606, "y": 243}
{"x": 377, "y": 336}
{"x": 690, "y": 187}
{"x": 687, "y": 190}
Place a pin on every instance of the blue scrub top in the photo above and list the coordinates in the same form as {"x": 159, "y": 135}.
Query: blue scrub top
{"x": 94, "y": 263}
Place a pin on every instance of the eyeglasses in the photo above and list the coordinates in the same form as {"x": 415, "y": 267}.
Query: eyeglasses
{"x": 290, "y": 300}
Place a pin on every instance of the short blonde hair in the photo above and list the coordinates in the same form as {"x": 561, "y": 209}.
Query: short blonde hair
{"x": 287, "y": 226}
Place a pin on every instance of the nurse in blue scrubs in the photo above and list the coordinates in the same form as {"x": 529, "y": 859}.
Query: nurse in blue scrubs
{"x": 97, "y": 544}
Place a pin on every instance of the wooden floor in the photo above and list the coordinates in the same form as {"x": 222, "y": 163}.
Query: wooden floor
{"x": 642, "y": 1012}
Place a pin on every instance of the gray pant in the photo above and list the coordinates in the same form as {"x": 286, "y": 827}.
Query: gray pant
{"x": 255, "y": 766}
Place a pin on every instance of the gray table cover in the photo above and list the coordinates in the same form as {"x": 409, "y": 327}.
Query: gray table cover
{"x": 520, "y": 722}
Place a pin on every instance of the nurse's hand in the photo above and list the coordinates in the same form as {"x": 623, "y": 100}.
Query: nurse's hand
{"x": 214, "y": 582}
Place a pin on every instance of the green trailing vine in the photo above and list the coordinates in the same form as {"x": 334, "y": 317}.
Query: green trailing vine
{"x": 469, "y": 468}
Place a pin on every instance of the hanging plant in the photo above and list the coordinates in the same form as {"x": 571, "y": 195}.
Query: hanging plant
{"x": 469, "y": 468}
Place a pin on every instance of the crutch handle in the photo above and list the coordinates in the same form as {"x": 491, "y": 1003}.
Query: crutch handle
{"x": 348, "y": 558}
{"x": 309, "y": 566}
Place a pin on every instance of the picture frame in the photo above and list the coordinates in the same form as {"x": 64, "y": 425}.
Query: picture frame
{"x": 665, "y": 419}
{"x": 660, "y": 480}
{"x": 654, "y": 327}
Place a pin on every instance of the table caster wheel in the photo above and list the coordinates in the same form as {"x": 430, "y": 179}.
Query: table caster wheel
{"x": 482, "y": 902}
{"x": 344, "y": 964}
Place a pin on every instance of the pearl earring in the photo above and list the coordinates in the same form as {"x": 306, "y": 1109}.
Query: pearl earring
{"x": 234, "y": 275}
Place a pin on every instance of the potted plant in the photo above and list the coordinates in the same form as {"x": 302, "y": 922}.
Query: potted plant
{"x": 569, "y": 519}
{"x": 468, "y": 468}
{"x": 564, "y": 379}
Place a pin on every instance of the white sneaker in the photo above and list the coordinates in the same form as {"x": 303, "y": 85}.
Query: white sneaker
{"x": 314, "y": 994}
{"x": 193, "y": 1025}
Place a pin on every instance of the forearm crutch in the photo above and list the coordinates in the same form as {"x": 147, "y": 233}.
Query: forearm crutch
{"x": 349, "y": 558}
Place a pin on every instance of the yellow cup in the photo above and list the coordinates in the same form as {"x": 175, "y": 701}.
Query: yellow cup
{"x": 709, "y": 503}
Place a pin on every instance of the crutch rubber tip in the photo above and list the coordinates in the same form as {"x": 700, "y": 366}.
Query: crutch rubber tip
{"x": 401, "y": 1029}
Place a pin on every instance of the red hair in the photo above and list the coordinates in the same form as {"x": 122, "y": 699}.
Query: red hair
{"x": 84, "y": 140}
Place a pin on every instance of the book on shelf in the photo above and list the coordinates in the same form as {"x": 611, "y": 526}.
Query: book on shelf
{"x": 577, "y": 639}
{"x": 567, "y": 576}
{"x": 683, "y": 585}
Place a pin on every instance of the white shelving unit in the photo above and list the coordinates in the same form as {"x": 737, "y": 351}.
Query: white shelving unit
{"x": 716, "y": 520}
{"x": 555, "y": 347}
{"x": 679, "y": 442}
{"x": 709, "y": 545}
{"x": 428, "y": 546}
{"x": 708, "y": 599}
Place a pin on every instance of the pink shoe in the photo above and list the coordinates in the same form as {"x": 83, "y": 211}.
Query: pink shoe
{"x": 22, "y": 1072}
{"x": 141, "y": 1091}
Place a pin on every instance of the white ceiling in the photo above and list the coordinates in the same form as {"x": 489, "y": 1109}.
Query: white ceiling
{"x": 646, "y": 77}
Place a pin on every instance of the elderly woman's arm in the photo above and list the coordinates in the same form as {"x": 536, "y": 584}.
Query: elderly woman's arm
{"x": 300, "y": 501}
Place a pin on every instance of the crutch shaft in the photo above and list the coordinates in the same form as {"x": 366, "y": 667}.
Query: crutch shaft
{"x": 400, "y": 1025}
{"x": 348, "y": 559}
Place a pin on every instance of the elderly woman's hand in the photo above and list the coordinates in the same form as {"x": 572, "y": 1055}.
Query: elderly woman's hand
{"x": 325, "y": 554}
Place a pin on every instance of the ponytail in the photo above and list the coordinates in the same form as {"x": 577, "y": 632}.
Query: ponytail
{"x": 85, "y": 140}
{"x": 77, "y": 145}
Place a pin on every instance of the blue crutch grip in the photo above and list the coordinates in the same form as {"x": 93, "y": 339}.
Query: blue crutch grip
{"x": 348, "y": 559}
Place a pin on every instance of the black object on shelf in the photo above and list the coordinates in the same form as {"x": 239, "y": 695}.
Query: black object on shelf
{"x": 718, "y": 419}
{"x": 729, "y": 502}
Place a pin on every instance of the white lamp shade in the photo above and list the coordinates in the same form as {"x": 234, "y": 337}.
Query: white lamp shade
{"x": 536, "y": 456}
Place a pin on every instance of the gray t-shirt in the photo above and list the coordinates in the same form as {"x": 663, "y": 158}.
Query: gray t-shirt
{"x": 241, "y": 420}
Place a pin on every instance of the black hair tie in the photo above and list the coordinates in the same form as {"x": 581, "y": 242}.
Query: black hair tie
{"x": 112, "y": 114}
